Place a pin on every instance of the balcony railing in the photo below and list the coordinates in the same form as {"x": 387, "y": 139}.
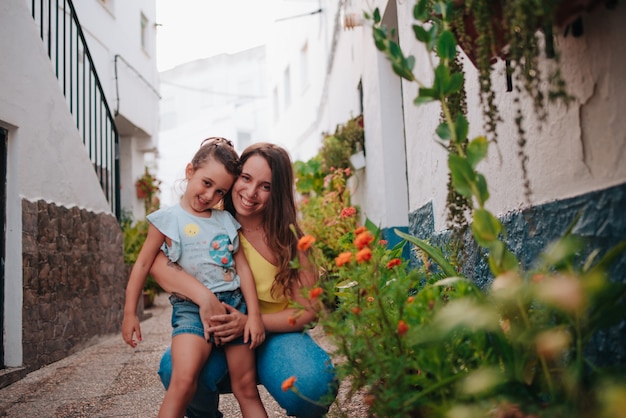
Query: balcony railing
{"x": 73, "y": 65}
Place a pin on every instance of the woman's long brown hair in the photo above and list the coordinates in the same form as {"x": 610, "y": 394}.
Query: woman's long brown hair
{"x": 280, "y": 213}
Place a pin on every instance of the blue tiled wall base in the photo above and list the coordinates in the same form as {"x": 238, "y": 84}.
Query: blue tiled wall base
{"x": 602, "y": 225}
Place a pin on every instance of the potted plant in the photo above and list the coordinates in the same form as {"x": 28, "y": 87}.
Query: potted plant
{"x": 147, "y": 185}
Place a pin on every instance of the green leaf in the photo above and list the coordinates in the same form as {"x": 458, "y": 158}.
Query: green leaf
{"x": 443, "y": 131}
{"x": 377, "y": 18}
{"x": 420, "y": 100}
{"x": 481, "y": 192}
{"x": 461, "y": 128}
{"x": 455, "y": 84}
{"x": 446, "y": 45}
{"x": 485, "y": 227}
{"x": 477, "y": 150}
{"x": 433, "y": 252}
{"x": 463, "y": 177}
{"x": 501, "y": 260}
{"x": 420, "y": 11}
{"x": 421, "y": 34}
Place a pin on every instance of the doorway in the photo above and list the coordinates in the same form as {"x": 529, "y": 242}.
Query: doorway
{"x": 3, "y": 205}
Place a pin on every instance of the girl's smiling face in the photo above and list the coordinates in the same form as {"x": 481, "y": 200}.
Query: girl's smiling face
{"x": 206, "y": 186}
{"x": 252, "y": 190}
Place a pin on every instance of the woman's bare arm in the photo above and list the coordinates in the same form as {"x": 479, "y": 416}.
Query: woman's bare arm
{"x": 173, "y": 279}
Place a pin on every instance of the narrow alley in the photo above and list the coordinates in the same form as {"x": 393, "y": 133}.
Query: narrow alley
{"x": 107, "y": 379}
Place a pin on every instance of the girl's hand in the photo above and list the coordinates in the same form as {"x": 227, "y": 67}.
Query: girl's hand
{"x": 254, "y": 331}
{"x": 130, "y": 328}
{"x": 228, "y": 326}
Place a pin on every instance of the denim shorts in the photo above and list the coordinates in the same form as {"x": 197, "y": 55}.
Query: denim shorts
{"x": 186, "y": 314}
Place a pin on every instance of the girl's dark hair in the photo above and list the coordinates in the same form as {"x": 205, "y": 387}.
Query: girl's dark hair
{"x": 280, "y": 213}
{"x": 219, "y": 149}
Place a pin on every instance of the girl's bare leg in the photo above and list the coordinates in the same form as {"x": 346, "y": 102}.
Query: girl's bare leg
{"x": 242, "y": 370}
{"x": 189, "y": 353}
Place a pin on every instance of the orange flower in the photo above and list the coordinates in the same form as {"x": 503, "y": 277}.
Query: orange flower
{"x": 402, "y": 327}
{"x": 348, "y": 212}
{"x": 370, "y": 299}
{"x": 356, "y": 310}
{"x": 288, "y": 383}
{"x": 315, "y": 292}
{"x": 383, "y": 242}
{"x": 305, "y": 242}
{"x": 363, "y": 240}
{"x": 343, "y": 258}
{"x": 364, "y": 255}
{"x": 360, "y": 230}
{"x": 395, "y": 262}
{"x": 410, "y": 299}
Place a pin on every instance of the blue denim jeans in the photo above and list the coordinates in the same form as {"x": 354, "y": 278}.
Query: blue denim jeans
{"x": 279, "y": 357}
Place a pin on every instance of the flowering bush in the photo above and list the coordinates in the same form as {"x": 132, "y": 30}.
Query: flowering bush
{"x": 424, "y": 346}
{"x": 330, "y": 217}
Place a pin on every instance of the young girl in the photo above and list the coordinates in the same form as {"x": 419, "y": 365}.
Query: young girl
{"x": 204, "y": 242}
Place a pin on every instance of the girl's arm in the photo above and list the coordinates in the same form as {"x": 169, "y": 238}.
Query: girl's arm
{"x": 150, "y": 248}
{"x": 254, "y": 330}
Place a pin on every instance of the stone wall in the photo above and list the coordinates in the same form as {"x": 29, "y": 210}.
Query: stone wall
{"x": 602, "y": 225}
{"x": 74, "y": 278}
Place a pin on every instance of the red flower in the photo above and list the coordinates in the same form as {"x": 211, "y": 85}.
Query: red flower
{"x": 364, "y": 255}
{"x": 383, "y": 242}
{"x": 363, "y": 240}
{"x": 288, "y": 383}
{"x": 343, "y": 258}
{"x": 348, "y": 212}
{"x": 356, "y": 310}
{"x": 402, "y": 327}
{"x": 394, "y": 262}
{"x": 291, "y": 320}
{"x": 315, "y": 292}
{"x": 305, "y": 242}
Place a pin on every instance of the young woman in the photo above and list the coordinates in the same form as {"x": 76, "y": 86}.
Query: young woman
{"x": 204, "y": 241}
{"x": 262, "y": 201}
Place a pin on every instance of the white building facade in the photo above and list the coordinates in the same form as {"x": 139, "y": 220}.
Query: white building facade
{"x": 70, "y": 110}
{"x": 224, "y": 95}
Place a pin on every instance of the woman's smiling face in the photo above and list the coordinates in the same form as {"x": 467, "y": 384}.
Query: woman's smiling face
{"x": 252, "y": 189}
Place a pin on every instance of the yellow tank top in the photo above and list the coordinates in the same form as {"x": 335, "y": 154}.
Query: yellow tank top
{"x": 264, "y": 273}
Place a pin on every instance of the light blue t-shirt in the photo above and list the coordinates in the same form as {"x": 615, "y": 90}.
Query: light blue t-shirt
{"x": 203, "y": 247}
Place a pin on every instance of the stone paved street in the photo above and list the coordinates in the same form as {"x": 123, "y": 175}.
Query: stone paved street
{"x": 110, "y": 379}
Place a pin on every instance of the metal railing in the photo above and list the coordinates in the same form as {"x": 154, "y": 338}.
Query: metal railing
{"x": 73, "y": 65}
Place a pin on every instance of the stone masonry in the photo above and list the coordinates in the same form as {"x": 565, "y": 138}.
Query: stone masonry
{"x": 74, "y": 278}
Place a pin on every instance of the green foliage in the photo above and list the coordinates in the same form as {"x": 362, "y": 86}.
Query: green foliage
{"x": 422, "y": 346}
{"x": 134, "y": 236}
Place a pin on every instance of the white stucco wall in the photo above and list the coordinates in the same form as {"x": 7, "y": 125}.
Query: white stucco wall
{"x": 46, "y": 157}
{"x": 114, "y": 29}
{"x": 580, "y": 149}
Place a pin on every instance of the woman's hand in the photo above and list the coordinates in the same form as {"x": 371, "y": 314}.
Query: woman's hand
{"x": 210, "y": 307}
{"x": 227, "y": 327}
